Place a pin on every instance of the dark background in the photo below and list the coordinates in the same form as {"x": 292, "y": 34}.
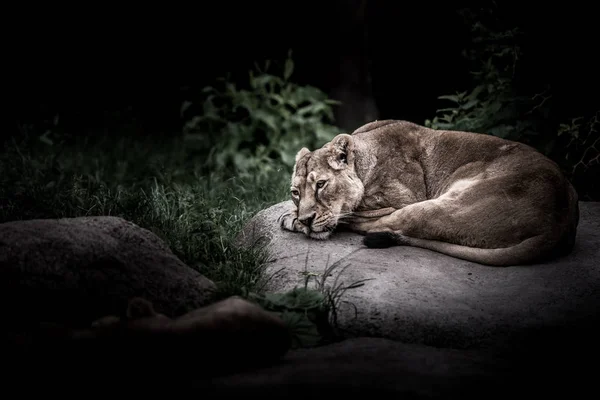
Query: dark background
{"x": 102, "y": 64}
{"x": 114, "y": 68}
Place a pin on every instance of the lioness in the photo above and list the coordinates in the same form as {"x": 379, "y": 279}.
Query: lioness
{"x": 472, "y": 196}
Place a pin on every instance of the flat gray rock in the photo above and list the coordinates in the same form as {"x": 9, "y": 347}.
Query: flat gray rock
{"x": 420, "y": 296}
{"x": 74, "y": 270}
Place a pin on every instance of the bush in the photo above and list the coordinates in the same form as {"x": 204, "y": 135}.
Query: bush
{"x": 497, "y": 104}
{"x": 255, "y": 130}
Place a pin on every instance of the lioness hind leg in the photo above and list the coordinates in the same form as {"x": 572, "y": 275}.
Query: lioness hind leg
{"x": 476, "y": 232}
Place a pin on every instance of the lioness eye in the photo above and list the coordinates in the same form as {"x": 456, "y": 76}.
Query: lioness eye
{"x": 320, "y": 184}
{"x": 295, "y": 192}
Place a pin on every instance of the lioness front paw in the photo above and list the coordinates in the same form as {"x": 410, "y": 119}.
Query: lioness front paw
{"x": 289, "y": 221}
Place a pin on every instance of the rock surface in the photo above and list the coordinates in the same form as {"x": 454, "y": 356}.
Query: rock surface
{"x": 367, "y": 365}
{"x": 420, "y": 296}
{"x": 375, "y": 367}
{"x": 75, "y": 270}
{"x": 79, "y": 269}
{"x": 360, "y": 366}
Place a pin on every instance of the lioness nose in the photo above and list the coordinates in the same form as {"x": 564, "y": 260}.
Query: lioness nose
{"x": 306, "y": 219}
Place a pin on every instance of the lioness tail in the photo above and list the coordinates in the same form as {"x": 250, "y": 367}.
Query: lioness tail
{"x": 519, "y": 254}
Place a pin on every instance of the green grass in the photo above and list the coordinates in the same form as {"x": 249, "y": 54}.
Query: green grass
{"x": 161, "y": 186}
{"x": 195, "y": 191}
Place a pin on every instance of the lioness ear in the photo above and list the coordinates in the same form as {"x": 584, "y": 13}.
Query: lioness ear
{"x": 303, "y": 151}
{"x": 342, "y": 151}
{"x": 139, "y": 308}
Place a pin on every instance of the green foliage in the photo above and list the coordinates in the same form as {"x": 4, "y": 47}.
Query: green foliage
{"x": 311, "y": 313}
{"x": 579, "y": 154}
{"x": 155, "y": 185}
{"x": 495, "y": 104}
{"x": 301, "y": 309}
{"x": 195, "y": 192}
{"x": 492, "y": 105}
{"x": 583, "y": 147}
{"x": 255, "y": 129}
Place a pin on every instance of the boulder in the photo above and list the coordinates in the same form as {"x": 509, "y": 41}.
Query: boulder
{"x": 358, "y": 366}
{"x": 382, "y": 367}
{"x": 419, "y": 296}
{"x": 366, "y": 366}
{"x": 72, "y": 271}
{"x": 225, "y": 337}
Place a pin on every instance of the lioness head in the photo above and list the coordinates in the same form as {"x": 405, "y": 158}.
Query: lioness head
{"x": 325, "y": 186}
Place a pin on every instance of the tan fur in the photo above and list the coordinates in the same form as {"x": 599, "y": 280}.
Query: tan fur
{"x": 472, "y": 196}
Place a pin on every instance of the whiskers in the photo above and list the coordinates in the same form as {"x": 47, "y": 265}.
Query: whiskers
{"x": 345, "y": 217}
{"x": 342, "y": 216}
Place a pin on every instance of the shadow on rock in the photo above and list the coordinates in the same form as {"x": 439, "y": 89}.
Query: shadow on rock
{"x": 229, "y": 336}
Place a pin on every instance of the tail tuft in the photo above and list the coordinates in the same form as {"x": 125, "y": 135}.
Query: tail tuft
{"x": 380, "y": 240}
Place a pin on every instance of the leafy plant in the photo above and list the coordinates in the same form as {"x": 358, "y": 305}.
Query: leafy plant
{"x": 301, "y": 309}
{"x": 493, "y": 105}
{"x": 497, "y": 102}
{"x": 581, "y": 149}
{"x": 584, "y": 142}
{"x": 311, "y": 313}
{"x": 253, "y": 128}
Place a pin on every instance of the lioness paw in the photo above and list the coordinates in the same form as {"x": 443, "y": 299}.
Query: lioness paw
{"x": 320, "y": 235}
{"x": 289, "y": 221}
{"x": 380, "y": 240}
{"x": 286, "y": 220}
